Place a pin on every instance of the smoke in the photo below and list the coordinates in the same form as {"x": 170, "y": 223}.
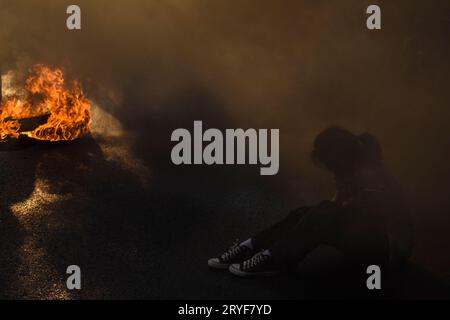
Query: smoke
{"x": 295, "y": 65}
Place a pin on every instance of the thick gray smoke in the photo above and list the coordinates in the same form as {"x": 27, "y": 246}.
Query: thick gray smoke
{"x": 295, "y": 65}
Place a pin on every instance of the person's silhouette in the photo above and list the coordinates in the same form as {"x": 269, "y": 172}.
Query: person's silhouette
{"x": 367, "y": 220}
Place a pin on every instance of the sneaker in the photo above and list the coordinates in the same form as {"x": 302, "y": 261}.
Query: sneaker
{"x": 260, "y": 265}
{"x": 235, "y": 254}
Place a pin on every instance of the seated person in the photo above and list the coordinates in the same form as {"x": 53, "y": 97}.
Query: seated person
{"x": 367, "y": 220}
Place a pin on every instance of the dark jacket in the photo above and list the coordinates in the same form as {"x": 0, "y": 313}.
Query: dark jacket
{"x": 379, "y": 207}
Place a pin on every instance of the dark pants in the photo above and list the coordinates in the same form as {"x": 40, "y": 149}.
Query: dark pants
{"x": 360, "y": 238}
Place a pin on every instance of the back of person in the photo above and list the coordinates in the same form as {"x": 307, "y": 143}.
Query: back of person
{"x": 377, "y": 218}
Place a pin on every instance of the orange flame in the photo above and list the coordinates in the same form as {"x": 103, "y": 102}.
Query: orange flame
{"x": 67, "y": 108}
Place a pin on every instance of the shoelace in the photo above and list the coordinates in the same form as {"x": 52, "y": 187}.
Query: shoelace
{"x": 254, "y": 261}
{"x": 234, "y": 250}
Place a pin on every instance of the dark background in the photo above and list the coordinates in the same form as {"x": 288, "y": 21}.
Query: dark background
{"x": 141, "y": 227}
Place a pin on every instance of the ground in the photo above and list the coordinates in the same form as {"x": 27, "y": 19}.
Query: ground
{"x": 142, "y": 233}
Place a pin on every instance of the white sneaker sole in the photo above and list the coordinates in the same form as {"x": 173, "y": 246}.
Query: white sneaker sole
{"x": 215, "y": 264}
{"x": 234, "y": 269}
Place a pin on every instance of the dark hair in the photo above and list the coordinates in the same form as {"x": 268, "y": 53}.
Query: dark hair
{"x": 341, "y": 151}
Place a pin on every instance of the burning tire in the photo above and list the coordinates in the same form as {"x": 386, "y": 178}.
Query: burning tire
{"x": 48, "y": 109}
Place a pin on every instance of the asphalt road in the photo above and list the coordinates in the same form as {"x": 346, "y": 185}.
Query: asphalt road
{"x": 137, "y": 232}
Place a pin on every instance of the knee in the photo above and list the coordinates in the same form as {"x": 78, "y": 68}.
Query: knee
{"x": 328, "y": 204}
{"x": 326, "y": 215}
{"x": 299, "y": 212}
{"x": 327, "y": 209}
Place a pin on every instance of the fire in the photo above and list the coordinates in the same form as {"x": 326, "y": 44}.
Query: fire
{"x": 47, "y": 95}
